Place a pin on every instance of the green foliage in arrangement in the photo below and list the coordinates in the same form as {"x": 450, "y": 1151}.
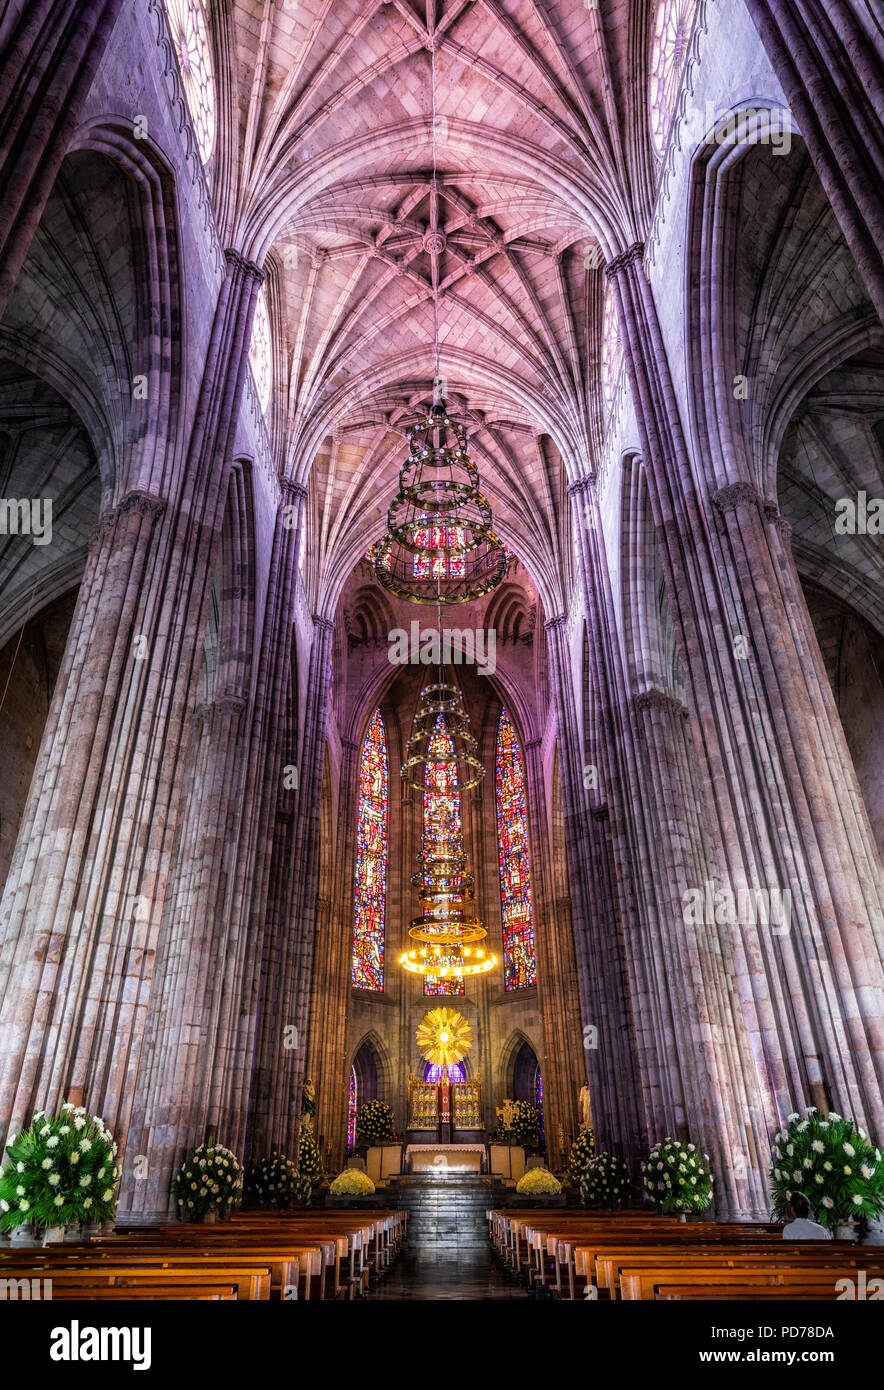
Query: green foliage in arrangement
{"x": 59, "y": 1172}
{"x": 675, "y": 1177}
{"x": 309, "y": 1158}
{"x": 605, "y": 1182}
{"x": 582, "y": 1153}
{"x": 374, "y": 1123}
{"x": 209, "y": 1179}
{"x": 525, "y": 1127}
{"x": 302, "y": 1189}
{"x": 833, "y": 1163}
{"x": 273, "y": 1182}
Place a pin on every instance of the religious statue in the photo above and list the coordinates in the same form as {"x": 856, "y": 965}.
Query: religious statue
{"x": 584, "y": 1107}
{"x": 308, "y": 1106}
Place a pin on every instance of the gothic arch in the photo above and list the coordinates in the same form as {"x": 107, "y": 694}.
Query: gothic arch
{"x": 509, "y": 1053}
{"x": 375, "y": 1055}
{"x": 159, "y": 329}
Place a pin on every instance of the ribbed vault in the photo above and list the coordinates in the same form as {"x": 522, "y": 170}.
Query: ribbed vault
{"x": 323, "y": 171}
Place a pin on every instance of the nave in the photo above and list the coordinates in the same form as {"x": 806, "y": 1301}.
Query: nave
{"x": 441, "y": 653}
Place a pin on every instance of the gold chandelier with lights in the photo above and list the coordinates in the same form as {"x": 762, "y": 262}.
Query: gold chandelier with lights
{"x": 444, "y": 1037}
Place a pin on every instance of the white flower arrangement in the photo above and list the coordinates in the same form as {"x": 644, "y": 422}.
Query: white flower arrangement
{"x": 48, "y": 1172}
{"x": 837, "y": 1190}
{"x": 675, "y": 1178}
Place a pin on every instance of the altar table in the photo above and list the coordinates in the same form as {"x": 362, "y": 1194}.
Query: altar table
{"x": 442, "y": 1158}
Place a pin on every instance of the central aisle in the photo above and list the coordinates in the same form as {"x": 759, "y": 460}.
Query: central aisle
{"x": 447, "y": 1254}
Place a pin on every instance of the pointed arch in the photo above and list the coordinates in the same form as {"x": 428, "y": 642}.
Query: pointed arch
{"x": 367, "y": 963}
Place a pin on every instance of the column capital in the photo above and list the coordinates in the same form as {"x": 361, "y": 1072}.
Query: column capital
{"x": 324, "y": 625}
{"x": 626, "y": 258}
{"x": 230, "y": 704}
{"x": 290, "y": 491}
{"x": 144, "y": 503}
{"x": 558, "y": 621}
{"x": 238, "y": 261}
{"x": 580, "y": 486}
{"x": 655, "y": 699}
{"x": 734, "y": 495}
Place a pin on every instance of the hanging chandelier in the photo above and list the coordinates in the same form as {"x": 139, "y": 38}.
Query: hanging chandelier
{"x": 441, "y": 699}
{"x": 440, "y": 545}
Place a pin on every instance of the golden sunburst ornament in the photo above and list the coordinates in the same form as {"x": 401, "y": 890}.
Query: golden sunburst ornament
{"x": 444, "y": 1037}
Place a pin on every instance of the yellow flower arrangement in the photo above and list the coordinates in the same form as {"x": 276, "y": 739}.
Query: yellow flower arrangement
{"x": 538, "y": 1182}
{"x": 352, "y": 1183}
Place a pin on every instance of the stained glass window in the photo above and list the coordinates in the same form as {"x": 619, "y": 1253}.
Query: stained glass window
{"x": 187, "y": 26}
{"x": 612, "y": 349}
{"x": 455, "y": 1072}
{"x": 443, "y": 566}
{"x": 519, "y": 960}
{"x": 371, "y": 859}
{"x": 260, "y": 358}
{"x": 443, "y": 830}
{"x": 673, "y": 22}
{"x": 352, "y": 1107}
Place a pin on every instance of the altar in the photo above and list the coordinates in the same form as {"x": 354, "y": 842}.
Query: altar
{"x": 442, "y": 1158}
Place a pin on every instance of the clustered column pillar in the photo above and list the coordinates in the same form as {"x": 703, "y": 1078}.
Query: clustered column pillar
{"x": 326, "y": 1056}
{"x": 83, "y": 902}
{"x": 291, "y": 913}
{"x": 779, "y": 794}
{"x": 609, "y": 1044}
{"x": 559, "y": 1000}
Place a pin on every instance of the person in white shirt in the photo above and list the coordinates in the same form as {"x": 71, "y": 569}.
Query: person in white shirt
{"x": 801, "y": 1228}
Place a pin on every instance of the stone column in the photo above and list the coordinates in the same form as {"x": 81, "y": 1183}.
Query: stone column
{"x": 827, "y": 65}
{"x": 558, "y": 996}
{"x": 282, "y": 1028}
{"x": 83, "y": 902}
{"x": 698, "y": 1074}
{"x": 50, "y": 50}
{"x": 326, "y": 1055}
{"x": 608, "y": 1048}
{"x": 779, "y": 792}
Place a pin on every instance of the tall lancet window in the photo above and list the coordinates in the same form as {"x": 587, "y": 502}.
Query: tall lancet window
{"x": 673, "y": 22}
{"x": 189, "y": 34}
{"x": 519, "y": 958}
{"x": 371, "y": 859}
{"x": 443, "y": 828}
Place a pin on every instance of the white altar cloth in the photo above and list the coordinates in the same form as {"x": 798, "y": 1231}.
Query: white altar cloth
{"x": 451, "y": 1158}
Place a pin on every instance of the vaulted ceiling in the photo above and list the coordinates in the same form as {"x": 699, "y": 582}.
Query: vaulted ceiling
{"x": 323, "y": 170}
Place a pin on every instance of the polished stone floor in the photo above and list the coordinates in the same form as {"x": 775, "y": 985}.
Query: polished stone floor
{"x": 447, "y": 1254}
{"x": 421, "y": 1273}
